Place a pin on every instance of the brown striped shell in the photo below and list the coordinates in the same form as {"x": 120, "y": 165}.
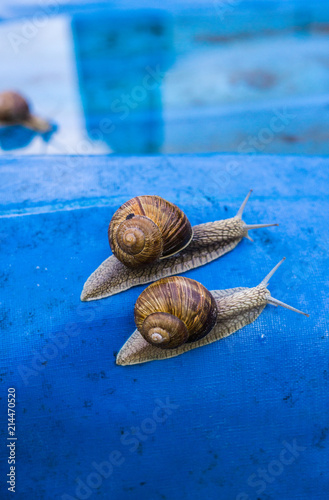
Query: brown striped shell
{"x": 13, "y": 107}
{"x": 173, "y": 311}
{"x": 147, "y": 228}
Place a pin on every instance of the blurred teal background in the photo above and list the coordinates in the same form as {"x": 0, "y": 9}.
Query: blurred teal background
{"x": 176, "y": 77}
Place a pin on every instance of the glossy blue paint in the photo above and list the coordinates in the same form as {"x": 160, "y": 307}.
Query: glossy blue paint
{"x": 238, "y": 404}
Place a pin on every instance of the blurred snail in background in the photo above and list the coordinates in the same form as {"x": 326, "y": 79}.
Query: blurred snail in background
{"x": 177, "y": 314}
{"x": 152, "y": 238}
{"x": 14, "y": 110}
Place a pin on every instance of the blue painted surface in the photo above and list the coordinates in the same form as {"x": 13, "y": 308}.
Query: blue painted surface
{"x": 224, "y": 70}
{"x": 239, "y": 402}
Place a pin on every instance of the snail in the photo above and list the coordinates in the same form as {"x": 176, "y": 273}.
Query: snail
{"x": 151, "y": 239}
{"x": 177, "y": 314}
{"x": 14, "y": 110}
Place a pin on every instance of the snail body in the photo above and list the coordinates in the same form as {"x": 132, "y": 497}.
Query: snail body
{"x": 226, "y": 310}
{"x": 15, "y": 110}
{"x": 194, "y": 247}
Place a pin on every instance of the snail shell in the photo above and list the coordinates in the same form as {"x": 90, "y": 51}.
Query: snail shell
{"x": 209, "y": 241}
{"x": 147, "y": 228}
{"x": 174, "y": 311}
{"x": 13, "y": 107}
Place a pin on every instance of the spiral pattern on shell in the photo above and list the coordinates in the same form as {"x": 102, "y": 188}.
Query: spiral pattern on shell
{"x": 13, "y": 107}
{"x": 173, "y": 311}
{"x": 147, "y": 228}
